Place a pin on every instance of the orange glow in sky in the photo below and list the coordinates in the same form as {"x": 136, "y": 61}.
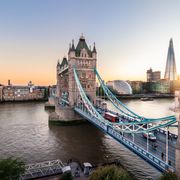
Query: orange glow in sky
{"x": 130, "y": 37}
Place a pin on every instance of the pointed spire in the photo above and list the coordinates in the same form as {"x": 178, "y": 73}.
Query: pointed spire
{"x": 94, "y": 48}
{"x": 69, "y": 47}
{"x": 170, "y": 72}
{"x": 171, "y": 43}
{"x": 73, "y": 48}
{"x": 58, "y": 63}
{"x": 82, "y": 37}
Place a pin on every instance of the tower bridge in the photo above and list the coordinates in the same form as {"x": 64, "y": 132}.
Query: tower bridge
{"x": 76, "y": 99}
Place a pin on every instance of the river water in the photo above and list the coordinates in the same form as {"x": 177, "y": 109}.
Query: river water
{"x": 25, "y": 133}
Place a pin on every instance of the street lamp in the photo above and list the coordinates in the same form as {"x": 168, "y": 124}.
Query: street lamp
{"x": 167, "y": 142}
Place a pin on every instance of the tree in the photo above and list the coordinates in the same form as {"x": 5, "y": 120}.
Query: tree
{"x": 168, "y": 176}
{"x": 11, "y": 169}
{"x": 110, "y": 173}
{"x": 66, "y": 176}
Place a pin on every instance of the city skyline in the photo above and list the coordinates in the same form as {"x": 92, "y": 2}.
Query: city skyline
{"x": 130, "y": 37}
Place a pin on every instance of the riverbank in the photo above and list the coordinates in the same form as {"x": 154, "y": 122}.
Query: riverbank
{"x": 138, "y": 96}
{"x": 75, "y": 169}
{"x": 25, "y": 101}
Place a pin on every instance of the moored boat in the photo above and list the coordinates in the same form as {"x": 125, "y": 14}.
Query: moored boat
{"x": 147, "y": 99}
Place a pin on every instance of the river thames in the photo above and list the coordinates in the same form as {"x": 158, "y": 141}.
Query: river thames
{"x": 25, "y": 133}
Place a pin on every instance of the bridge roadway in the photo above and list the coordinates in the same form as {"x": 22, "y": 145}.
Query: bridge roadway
{"x": 160, "y": 143}
{"x": 161, "y": 146}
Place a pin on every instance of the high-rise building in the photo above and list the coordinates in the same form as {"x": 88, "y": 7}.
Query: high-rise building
{"x": 153, "y": 76}
{"x": 170, "y": 71}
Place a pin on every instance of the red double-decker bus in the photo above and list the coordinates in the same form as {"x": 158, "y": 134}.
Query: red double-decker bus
{"x": 111, "y": 117}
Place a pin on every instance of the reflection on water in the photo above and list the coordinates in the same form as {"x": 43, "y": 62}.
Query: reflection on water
{"x": 25, "y": 133}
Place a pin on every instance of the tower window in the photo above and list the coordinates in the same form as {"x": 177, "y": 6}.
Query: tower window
{"x": 83, "y": 75}
{"x": 84, "y": 85}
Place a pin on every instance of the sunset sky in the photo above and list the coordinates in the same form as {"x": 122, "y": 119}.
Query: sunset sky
{"x": 131, "y": 36}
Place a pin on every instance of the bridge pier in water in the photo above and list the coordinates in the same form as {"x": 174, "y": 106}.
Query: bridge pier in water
{"x": 64, "y": 115}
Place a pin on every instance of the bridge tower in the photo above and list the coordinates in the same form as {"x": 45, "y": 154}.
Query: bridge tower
{"x": 84, "y": 60}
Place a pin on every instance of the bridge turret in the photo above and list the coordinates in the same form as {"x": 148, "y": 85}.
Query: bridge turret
{"x": 71, "y": 53}
{"x": 84, "y": 59}
{"x": 94, "y": 52}
{"x": 58, "y": 80}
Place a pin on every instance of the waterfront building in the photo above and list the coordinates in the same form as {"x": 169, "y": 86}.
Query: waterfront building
{"x": 153, "y": 76}
{"x": 119, "y": 87}
{"x": 137, "y": 86}
{"x": 23, "y": 93}
{"x": 8, "y": 93}
{"x": 84, "y": 59}
{"x": 162, "y": 86}
{"x": 170, "y": 71}
{"x": 1, "y": 92}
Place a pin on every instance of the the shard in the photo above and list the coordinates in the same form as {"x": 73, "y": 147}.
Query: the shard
{"x": 170, "y": 72}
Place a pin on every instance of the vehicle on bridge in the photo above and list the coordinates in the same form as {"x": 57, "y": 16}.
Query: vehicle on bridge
{"x": 111, "y": 117}
{"x": 150, "y": 136}
{"x": 87, "y": 167}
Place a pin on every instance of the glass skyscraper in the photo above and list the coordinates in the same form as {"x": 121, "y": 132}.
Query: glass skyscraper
{"x": 170, "y": 72}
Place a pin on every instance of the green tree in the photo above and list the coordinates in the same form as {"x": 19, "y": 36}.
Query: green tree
{"x": 110, "y": 173}
{"x": 168, "y": 176}
{"x": 66, "y": 176}
{"x": 11, "y": 169}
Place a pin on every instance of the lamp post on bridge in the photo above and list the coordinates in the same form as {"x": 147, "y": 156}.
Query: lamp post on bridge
{"x": 167, "y": 144}
{"x": 133, "y": 133}
{"x": 147, "y": 140}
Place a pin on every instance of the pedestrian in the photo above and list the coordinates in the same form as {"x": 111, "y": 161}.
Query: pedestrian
{"x": 162, "y": 155}
{"x": 169, "y": 163}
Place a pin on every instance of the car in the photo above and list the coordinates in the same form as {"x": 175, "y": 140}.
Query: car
{"x": 87, "y": 168}
{"x": 150, "y": 136}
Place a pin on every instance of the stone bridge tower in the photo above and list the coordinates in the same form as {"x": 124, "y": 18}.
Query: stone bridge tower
{"x": 84, "y": 59}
